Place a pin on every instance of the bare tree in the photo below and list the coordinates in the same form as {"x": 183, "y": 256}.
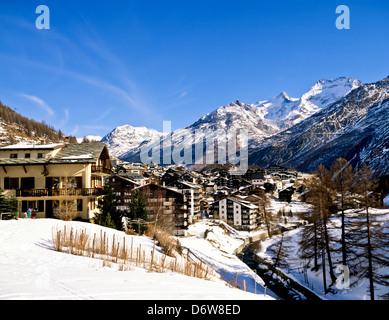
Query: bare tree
{"x": 66, "y": 208}
{"x": 369, "y": 234}
{"x": 343, "y": 177}
{"x": 320, "y": 195}
{"x": 281, "y": 250}
{"x": 269, "y": 218}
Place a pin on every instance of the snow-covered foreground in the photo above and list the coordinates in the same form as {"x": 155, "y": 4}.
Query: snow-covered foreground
{"x": 215, "y": 242}
{"x": 31, "y": 269}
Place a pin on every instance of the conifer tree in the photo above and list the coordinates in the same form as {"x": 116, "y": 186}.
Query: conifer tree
{"x": 109, "y": 215}
{"x": 138, "y": 212}
{"x": 8, "y": 205}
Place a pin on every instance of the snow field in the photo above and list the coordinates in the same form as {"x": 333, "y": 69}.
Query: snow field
{"x": 31, "y": 269}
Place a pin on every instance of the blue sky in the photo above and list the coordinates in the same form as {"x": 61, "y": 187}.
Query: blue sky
{"x": 108, "y": 63}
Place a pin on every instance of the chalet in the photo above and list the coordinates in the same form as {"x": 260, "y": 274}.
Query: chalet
{"x": 210, "y": 188}
{"x": 121, "y": 187}
{"x": 250, "y": 172}
{"x": 166, "y": 206}
{"x": 286, "y": 194}
{"x": 139, "y": 179}
{"x": 136, "y": 168}
{"x": 221, "y": 181}
{"x": 258, "y": 179}
{"x": 169, "y": 177}
{"x": 41, "y": 177}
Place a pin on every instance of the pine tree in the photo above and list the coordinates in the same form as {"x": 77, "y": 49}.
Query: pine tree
{"x": 109, "y": 215}
{"x": 8, "y": 205}
{"x": 3, "y": 202}
{"x": 138, "y": 212}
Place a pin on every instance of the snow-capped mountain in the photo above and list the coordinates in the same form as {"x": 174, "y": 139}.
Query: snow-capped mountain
{"x": 335, "y": 118}
{"x": 283, "y": 112}
{"x": 354, "y": 127}
{"x": 262, "y": 119}
{"x": 127, "y": 139}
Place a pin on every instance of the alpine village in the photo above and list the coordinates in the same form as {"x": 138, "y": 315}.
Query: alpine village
{"x": 293, "y": 227}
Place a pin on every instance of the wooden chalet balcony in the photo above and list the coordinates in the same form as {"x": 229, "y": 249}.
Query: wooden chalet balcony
{"x": 100, "y": 169}
{"x": 76, "y": 192}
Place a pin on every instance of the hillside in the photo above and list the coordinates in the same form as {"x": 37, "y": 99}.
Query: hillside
{"x": 31, "y": 269}
{"x": 15, "y": 128}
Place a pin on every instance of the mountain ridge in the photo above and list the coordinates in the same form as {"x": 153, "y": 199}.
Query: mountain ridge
{"x": 263, "y": 119}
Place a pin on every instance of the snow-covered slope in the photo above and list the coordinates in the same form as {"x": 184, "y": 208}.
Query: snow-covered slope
{"x": 293, "y": 265}
{"x": 128, "y": 139}
{"x": 31, "y": 269}
{"x": 354, "y": 127}
{"x": 13, "y": 133}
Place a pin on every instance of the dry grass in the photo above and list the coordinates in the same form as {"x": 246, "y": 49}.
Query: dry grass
{"x": 123, "y": 252}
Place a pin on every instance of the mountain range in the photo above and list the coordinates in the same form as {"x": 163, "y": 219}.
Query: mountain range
{"x": 335, "y": 118}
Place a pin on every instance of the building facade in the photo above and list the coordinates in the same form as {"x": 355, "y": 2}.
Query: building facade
{"x": 238, "y": 213}
{"x": 48, "y": 178}
{"x": 166, "y": 207}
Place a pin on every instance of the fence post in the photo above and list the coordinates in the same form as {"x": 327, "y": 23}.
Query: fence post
{"x": 255, "y": 280}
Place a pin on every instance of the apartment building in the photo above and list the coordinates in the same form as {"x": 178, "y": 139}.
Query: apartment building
{"x": 236, "y": 212}
{"x": 42, "y": 177}
{"x": 193, "y": 194}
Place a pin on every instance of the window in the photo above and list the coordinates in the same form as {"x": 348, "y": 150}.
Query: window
{"x": 11, "y": 183}
{"x": 41, "y": 155}
{"x": 27, "y": 155}
{"x": 92, "y": 204}
{"x": 13, "y": 155}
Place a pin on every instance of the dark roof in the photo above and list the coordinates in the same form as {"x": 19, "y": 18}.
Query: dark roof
{"x": 257, "y": 175}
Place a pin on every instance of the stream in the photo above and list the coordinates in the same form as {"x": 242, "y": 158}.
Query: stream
{"x": 283, "y": 290}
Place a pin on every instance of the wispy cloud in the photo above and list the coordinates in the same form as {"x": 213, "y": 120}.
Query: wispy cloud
{"x": 42, "y": 104}
{"x": 103, "y": 115}
{"x": 90, "y": 61}
{"x": 64, "y": 120}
